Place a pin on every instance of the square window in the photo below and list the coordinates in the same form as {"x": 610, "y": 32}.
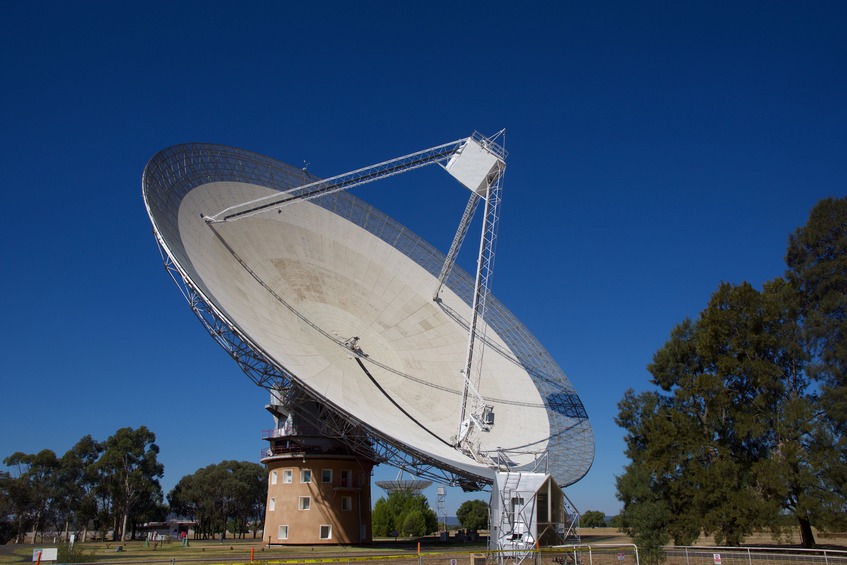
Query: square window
{"x": 272, "y": 504}
{"x": 326, "y": 475}
{"x": 347, "y": 503}
{"x": 305, "y": 475}
{"x": 273, "y": 477}
{"x": 287, "y": 476}
{"x": 305, "y": 502}
{"x": 326, "y": 532}
{"x": 283, "y": 532}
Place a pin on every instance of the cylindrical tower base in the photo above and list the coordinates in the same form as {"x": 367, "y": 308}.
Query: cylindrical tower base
{"x": 318, "y": 499}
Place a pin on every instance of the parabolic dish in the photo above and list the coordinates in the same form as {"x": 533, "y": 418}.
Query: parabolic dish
{"x": 298, "y": 282}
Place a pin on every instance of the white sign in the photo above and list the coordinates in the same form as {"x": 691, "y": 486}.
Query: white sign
{"x": 717, "y": 558}
{"x": 47, "y": 554}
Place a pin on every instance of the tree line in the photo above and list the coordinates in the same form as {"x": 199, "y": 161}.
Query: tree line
{"x": 227, "y": 496}
{"x": 747, "y": 422}
{"x": 109, "y": 488}
{"x": 406, "y": 513}
{"x": 403, "y": 513}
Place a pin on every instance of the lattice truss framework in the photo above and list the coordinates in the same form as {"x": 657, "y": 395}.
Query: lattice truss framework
{"x": 172, "y": 173}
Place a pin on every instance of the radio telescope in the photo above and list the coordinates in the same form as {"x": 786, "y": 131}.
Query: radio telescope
{"x": 399, "y": 484}
{"x": 375, "y": 345}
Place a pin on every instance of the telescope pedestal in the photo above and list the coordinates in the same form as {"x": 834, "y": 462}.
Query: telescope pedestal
{"x": 319, "y": 490}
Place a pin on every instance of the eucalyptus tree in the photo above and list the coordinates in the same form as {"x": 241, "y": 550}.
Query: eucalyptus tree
{"x": 33, "y": 489}
{"x": 77, "y": 482}
{"x": 129, "y": 471}
{"x": 215, "y": 495}
{"x": 186, "y": 499}
{"x": 8, "y": 511}
{"x": 253, "y": 496}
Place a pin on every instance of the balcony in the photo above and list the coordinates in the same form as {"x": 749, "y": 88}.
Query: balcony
{"x": 274, "y": 433}
{"x": 282, "y": 451}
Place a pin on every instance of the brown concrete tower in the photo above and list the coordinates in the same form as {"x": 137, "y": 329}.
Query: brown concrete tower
{"x": 319, "y": 490}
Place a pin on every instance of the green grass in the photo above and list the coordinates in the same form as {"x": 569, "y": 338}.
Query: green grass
{"x": 230, "y": 551}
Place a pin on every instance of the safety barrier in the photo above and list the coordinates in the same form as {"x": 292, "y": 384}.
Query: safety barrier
{"x": 599, "y": 554}
{"x": 700, "y": 555}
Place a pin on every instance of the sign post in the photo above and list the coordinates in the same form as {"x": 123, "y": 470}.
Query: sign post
{"x": 45, "y": 554}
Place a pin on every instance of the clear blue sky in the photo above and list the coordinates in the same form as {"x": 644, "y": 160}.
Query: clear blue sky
{"x": 656, "y": 149}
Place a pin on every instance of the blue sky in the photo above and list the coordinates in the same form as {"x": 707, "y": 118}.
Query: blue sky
{"x": 656, "y": 149}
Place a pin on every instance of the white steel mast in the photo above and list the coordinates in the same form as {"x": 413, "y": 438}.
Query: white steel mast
{"x": 490, "y": 158}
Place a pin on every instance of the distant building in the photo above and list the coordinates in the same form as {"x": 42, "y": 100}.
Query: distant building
{"x": 170, "y": 529}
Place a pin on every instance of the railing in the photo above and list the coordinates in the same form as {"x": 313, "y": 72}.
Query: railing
{"x": 273, "y": 433}
{"x": 280, "y": 451}
{"x": 716, "y": 555}
{"x": 586, "y": 554}
{"x": 252, "y": 552}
